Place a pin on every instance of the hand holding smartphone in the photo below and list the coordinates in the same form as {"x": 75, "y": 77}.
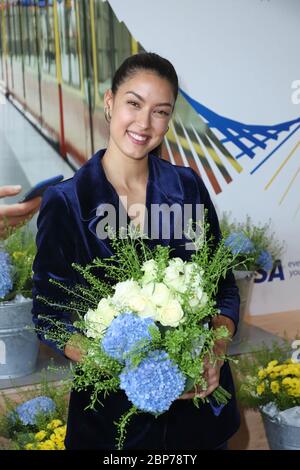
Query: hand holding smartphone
{"x": 40, "y": 188}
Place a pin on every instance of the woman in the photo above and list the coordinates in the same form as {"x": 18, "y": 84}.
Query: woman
{"x": 129, "y": 177}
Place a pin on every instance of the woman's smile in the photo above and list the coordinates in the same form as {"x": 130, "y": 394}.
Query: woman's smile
{"x": 138, "y": 139}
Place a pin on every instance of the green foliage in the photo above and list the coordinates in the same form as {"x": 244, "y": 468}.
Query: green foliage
{"x": 20, "y": 246}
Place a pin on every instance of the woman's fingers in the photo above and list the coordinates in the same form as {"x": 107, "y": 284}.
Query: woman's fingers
{"x": 212, "y": 376}
{"x": 9, "y": 190}
{"x": 20, "y": 210}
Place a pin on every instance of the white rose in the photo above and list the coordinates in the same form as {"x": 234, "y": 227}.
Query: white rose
{"x": 199, "y": 298}
{"x": 124, "y": 291}
{"x": 171, "y": 314}
{"x": 149, "y": 311}
{"x": 177, "y": 263}
{"x": 158, "y": 293}
{"x": 137, "y": 302}
{"x": 150, "y": 269}
{"x": 98, "y": 320}
{"x": 174, "y": 275}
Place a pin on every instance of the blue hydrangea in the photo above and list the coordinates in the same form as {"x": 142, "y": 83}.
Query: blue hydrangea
{"x": 28, "y": 411}
{"x": 239, "y": 243}
{"x": 124, "y": 333}
{"x": 154, "y": 384}
{"x": 6, "y": 284}
{"x": 265, "y": 260}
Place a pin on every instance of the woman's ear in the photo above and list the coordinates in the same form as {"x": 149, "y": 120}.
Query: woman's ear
{"x": 108, "y": 99}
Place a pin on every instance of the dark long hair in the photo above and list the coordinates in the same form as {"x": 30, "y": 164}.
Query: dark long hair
{"x": 151, "y": 62}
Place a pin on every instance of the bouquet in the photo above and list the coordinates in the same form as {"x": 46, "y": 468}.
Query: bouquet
{"x": 255, "y": 246}
{"x": 144, "y": 323}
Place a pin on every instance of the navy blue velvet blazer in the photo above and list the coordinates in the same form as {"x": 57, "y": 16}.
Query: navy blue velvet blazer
{"x": 67, "y": 227}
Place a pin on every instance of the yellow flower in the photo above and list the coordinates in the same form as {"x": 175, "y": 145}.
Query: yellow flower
{"x": 55, "y": 423}
{"x": 262, "y": 374}
{"x": 272, "y": 364}
{"x": 260, "y": 388}
{"x": 275, "y": 386}
{"x": 29, "y": 446}
{"x": 46, "y": 445}
{"x": 61, "y": 431}
{"x": 60, "y": 446}
{"x": 40, "y": 435}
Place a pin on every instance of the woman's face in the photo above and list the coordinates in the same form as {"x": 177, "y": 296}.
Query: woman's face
{"x": 140, "y": 113}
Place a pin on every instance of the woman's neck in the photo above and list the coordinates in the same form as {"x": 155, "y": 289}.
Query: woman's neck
{"x": 123, "y": 171}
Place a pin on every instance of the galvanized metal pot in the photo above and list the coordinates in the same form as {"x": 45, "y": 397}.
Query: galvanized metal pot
{"x": 281, "y": 436}
{"x": 244, "y": 281}
{"x": 19, "y": 345}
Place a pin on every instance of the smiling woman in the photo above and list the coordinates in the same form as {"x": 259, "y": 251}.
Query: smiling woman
{"x": 130, "y": 176}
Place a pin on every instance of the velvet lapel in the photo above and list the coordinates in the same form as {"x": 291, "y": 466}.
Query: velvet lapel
{"x": 93, "y": 189}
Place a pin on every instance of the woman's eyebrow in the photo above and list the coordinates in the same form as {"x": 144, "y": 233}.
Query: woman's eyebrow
{"x": 142, "y": 99}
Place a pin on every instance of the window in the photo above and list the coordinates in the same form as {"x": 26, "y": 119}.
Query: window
{"x": 113, "y": 43}
{"x": 47, "y": 38}
{"x": 68, "y": 32}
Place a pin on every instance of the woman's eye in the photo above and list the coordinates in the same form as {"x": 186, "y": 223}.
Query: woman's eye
{"x": 163, "y": 113}
{"x": 133, "y": 103}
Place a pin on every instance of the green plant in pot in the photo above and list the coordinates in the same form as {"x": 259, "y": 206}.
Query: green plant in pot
{"x": 257, "y": 249}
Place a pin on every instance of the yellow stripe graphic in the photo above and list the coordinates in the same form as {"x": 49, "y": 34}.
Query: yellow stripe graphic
{"x": 282, "y": 165}
{"x": 289, "y": 185}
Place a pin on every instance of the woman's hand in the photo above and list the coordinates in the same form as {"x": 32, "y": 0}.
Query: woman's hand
{"x": 14, "y": 215}
{"x": 212, "y": 377}
{"x": 212, "y": 371}
{"x": 74, "y": 348}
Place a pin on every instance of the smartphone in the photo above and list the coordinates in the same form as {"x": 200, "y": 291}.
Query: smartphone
{"x": 40, "y": 188}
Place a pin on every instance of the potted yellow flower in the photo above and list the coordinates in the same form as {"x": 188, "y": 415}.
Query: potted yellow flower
{"x": 18, "y": 341}
{"x": 270, "y": 381}
{"x": 35, "y": 419}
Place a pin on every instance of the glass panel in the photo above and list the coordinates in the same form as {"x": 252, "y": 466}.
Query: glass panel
{"x": 8, "y": 31}
{"x": 31, "y": 25}
{"x": 47, "y": 39}
{"x": 122, "y": 42}
{"x": 113, "y": 43}
{"x": 68, "y": 30}
{"x": 25, "y": 34}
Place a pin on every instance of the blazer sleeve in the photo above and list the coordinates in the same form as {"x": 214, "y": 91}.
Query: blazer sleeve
{"x": 228, "y": 299}
{"x": 55, "y": 254}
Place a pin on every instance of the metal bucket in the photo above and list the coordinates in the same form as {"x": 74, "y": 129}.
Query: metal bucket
{"x": 281, "y": 436}
{"x": 19, "y": 344}
{"x": 244, "y": 281}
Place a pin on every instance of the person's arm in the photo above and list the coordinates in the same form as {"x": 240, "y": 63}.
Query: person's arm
{"x": 55, "y": 253}
{"x": 14, "y": 215}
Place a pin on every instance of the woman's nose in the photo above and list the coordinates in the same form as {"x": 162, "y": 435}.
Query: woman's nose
{"x": 143, "y": 120}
